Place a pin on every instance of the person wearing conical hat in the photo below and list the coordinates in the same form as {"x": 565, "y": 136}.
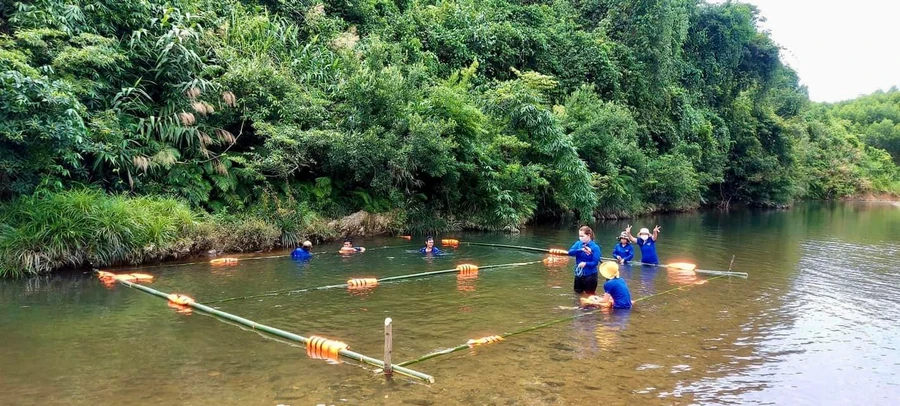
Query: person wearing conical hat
{"x": 647, "y": 243}
{"x": 616, "y": 296}
{"x": 623, "y": 252}
{"x": 615, "y": 287}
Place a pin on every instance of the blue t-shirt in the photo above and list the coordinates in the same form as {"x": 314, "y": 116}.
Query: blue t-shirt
{"x": 648, "y": 251}
{"x": 434, "y": 251}
{"x": 617, "y": 288}
{"x": 626, "y": 252}
{"x": 591, "y": 261}
{"x": 301, "y": 253}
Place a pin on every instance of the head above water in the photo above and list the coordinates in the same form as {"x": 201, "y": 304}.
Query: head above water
{"x": 307, "y": 245}
{"x": 429, "y": 241}
{"x": 348, "y": 242}
{"x": 585, "y": 234}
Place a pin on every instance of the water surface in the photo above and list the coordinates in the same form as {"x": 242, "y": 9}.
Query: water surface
{"x": 815, "y": 324}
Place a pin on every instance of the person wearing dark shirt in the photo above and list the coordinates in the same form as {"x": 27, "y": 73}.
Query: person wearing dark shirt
{"x": 429, "y": 247}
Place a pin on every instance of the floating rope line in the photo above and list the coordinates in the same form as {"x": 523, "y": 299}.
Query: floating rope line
{"x": 326, "y": 349}
{"x": 557, "y": 251}
{"x": 469, "y": 343}
{"x": 378, "y": 281}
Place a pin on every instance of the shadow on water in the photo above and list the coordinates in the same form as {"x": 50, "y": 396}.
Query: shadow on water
{"x": 814, "y": 323}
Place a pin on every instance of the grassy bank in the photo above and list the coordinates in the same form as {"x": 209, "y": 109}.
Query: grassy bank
{"x": 45, "y": 232}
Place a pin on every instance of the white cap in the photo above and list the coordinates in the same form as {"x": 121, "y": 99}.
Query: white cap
{"x": 644, "y": 231}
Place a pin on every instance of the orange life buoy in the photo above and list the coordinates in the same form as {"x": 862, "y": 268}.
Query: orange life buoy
{"x": 557, "y": 251}
{"x": 450, "y": 242}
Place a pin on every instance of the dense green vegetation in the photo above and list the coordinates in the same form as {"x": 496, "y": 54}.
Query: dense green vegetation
{"x": 447, "y": 114}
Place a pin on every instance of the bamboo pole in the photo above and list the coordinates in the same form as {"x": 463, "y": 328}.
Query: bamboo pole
{"x": 380, "y": 280}
{"x": 703, "y": 271}
{"x": 388, "y": 346}
{"x": 536, "y": 327}
{"x": 535, "y": 249}
{"x": 281, "y": 333}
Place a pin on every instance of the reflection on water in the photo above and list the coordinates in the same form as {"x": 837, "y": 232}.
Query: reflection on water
{"x": 814, "y": 324}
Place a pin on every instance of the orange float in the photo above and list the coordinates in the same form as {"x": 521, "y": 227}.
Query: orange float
{"x": 450, "y": 242}
{"x": 467, "y": 269}
{"x": 557, "y": 251}
{"x": 362, "y": 283}
{"x": 224, "y": 261}
{"x": 179, "y": 299}
{"x": 484, "y": 340}
{"x": 323, "y": 348}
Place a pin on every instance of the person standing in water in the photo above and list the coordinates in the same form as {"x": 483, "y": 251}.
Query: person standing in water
{"x": 587, "y": 257}
{"x": 624, "y": 252}
{"x": 303, "y": 253}
{"x": 647, "y": 243}
{"x": 429, "y": 247}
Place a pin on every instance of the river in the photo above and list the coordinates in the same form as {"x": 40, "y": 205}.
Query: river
{"x": 816, "y": 323}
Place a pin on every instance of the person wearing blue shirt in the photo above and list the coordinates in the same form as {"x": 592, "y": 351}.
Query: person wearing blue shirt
{"x": 647, "y": 243}
{"x": 303, "y": 253}
{"x": 587, "y": 257}
{"x": 429, "y": 247}
{"x": 615, "y": 287}
{"x": 624, "y": 252}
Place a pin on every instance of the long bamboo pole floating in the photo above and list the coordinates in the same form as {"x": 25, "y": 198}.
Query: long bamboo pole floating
{"x": 703, "y": 271}
{"x": 461, "y": 347}
{"x": 281, "y": 333}
{"x": 379, "y": 280}
{"x": 729, "y": 272}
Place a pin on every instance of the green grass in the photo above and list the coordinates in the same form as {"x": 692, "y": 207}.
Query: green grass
{"x": 45, "y": 232}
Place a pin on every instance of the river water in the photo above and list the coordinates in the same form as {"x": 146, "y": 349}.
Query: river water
{"x": 816, "y": 323}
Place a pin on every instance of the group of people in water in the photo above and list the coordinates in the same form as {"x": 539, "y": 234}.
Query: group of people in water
{"x": 588, "y": 266}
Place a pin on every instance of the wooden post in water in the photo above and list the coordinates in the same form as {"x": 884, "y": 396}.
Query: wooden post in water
{"x": 731, "y": 264}
{"x": 388, "y": 346}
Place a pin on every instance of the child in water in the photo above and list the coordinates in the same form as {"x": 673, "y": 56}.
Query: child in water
{"x": 587, "y": 256}
{"x": 348, "y": 247}
{"x": 623, "y": 252}
{"x": 617, "y": 295}
{"x": 429, "y": 247}
{"x": 303, "y": 253}
{"x": 647, "y": 243}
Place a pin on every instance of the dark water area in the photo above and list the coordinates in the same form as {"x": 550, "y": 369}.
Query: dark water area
{"x": 816, "y": 323}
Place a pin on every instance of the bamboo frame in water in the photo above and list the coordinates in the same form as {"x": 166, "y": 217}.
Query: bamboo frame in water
{"x": 535, "y": 327}
{"x": 380, "y": 280}
{"x": 283, "y": 334}
{"x": 703, "y": 271}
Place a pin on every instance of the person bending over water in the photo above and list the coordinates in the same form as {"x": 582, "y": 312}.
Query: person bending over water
{"x": 647, "y": 243}
{"x": 587, "y": 257}
{"x": 429, "y": 247}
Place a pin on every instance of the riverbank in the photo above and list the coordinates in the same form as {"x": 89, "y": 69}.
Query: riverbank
{"x": 84, "y": 228}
